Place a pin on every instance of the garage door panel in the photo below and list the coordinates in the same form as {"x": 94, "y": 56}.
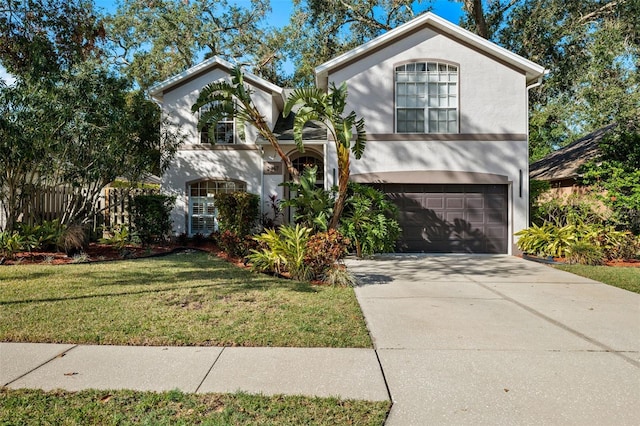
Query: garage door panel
{"x": 451, "y": 218}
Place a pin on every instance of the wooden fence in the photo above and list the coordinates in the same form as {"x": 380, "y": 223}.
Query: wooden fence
{"x": 112, "y": 209}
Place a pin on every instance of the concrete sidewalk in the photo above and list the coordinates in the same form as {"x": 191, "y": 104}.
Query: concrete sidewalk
{"x": 493, "y": 340}
{"x": 323, "y": 372}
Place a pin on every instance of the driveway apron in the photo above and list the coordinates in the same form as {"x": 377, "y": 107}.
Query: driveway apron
{"x": 500, "y": 340}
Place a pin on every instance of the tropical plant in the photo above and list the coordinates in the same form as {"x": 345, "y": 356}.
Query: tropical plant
{"x": 220, "y": 100}
{"x": 11, "y": 242}
{"x": 370, "y": 220}
{"x": 284, "y": 251}
{"x": 584, "y": 253}
{"x": 323, "y": 251}
{"x": 121, "y": 236}
{"x": 547, "y": 239}
{"x": 312, "y": 206}
{"x": 328, "y": 108}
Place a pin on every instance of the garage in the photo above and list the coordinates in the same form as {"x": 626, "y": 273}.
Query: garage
{"x": 461, "y": 218}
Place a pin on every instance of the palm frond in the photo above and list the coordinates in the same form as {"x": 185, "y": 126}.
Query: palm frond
{"x": 310, "y": 96}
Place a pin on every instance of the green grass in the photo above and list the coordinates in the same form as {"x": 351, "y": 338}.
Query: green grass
{"x": 626, "y": 278}
{"x": 182, "y": 299}
{"x": 34, "y": 407}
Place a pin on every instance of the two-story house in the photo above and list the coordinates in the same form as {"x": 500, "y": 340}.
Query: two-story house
{"x": 446, "y": 117}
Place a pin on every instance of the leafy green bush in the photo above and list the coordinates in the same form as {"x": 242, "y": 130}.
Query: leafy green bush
{"x": 574, "y": 209}
{"x": 152, "y": 216}
{"x": 283, "y": 251}
{"x": 369, "y": 220}
{"x": 312, "y": 206}
{"x": 323, "y": 250}
{"x": 238, "y": 212}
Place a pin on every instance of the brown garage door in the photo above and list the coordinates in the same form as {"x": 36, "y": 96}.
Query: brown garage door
{"x": 451, "y": 218}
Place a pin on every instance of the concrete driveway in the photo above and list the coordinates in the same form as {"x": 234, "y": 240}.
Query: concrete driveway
{"x": 500, "y": 340}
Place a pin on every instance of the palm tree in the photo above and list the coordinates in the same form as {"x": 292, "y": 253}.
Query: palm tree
{"x": 224, "y": 100}
{"x": 328, "y": 108}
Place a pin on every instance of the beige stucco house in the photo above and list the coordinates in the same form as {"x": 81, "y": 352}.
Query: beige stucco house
{"x": 446, "y": 117}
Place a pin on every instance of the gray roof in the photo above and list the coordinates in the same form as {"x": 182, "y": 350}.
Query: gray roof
{"x": 565, "y": 162}
{"x": 312, "y": 131}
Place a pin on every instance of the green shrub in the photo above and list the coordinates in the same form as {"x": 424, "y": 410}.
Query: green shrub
{"x": 234, "y": 245}
{"x": 152, "y": 216}
{"x": 283, "y": 251}
{"x": 585, "y": 253}
{"x": 370, "y": 220}
{"x": 323, "y": 250}
{"x": 574, "y": 209}
{"x": 238, "y": 212}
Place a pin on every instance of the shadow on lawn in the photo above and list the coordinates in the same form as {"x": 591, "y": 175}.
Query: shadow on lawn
{"x": 213, "y": 273}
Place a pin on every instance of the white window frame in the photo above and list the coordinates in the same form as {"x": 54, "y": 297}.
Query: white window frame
{"x": 204, "y": 133}
{"x": 202, "y": 205}
{"x": 427, "y": 97}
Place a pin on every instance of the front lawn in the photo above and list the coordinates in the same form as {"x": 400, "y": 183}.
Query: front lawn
{"x": 34, "y": 407}
{"x": 624, "y": 277}
{"x": 182, "y": 299}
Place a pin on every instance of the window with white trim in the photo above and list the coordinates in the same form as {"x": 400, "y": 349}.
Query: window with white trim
{"x": 202, "y": 209}
{"x": 224, "y": 131}
{"x": 426, "y": 98}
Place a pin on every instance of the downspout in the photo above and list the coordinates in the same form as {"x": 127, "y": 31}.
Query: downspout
{"x": 524, "y": 173}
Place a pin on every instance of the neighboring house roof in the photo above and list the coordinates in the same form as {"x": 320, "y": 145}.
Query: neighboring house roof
{"x": 157, "y": 90}
{"x": 532, "y": 70}
{"x": 565, "y": 162}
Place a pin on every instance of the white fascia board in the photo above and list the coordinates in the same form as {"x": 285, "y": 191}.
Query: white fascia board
{"x": 532, "y": 70}
{"x": 158, "y": 89}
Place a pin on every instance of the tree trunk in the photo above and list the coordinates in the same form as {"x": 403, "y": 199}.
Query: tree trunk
{"x": 474, "y": 9}
{"x": 343, "y": 183}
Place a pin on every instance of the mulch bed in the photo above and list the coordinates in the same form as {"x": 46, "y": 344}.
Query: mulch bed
{"x": 104, "y": 253}
{"x": 628, "y": 263}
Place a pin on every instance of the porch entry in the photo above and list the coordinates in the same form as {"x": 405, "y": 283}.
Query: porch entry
{"x": 301, "y": 161}
{"x": 202, "y": 215}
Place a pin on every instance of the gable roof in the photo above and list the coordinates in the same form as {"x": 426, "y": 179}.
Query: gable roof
{"x": 565, "y": 162}
{"x": 157, "y": 90}
{"x": 532, "y": 70}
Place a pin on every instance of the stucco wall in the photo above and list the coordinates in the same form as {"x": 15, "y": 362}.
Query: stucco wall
{"x": 492, "y": 101}
{"x": 178, "y": 101}
{"x": 193, "y": 165}
{"x": 492, "y": 95}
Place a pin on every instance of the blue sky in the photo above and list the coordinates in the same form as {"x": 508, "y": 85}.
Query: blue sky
{"x": 281, "y": 9}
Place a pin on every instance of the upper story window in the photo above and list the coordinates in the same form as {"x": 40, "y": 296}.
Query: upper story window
{"x": 426, "y": 98}
{"x": 224, "y": 132}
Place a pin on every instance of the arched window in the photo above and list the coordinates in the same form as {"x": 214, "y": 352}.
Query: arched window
{"x": 307, "y": 161}
{"x": 426, "y": 98}
{"x": 202, "y": 209}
